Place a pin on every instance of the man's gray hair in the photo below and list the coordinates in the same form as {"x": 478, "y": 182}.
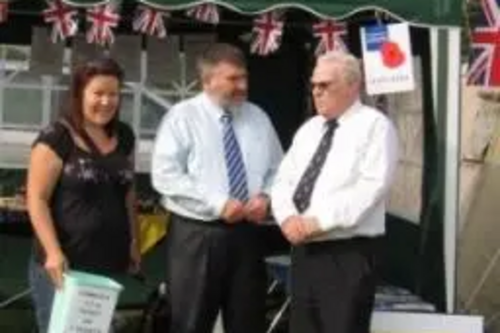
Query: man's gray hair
{"x": 350, "y": 65}
{"x": 220, "y": 52}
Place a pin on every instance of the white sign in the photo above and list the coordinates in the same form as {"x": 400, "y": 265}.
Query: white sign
{"x": 387, "y": 58}
{"x": 405, "y": 322}
{"x": 91, "y": 310}
{"x": 83, "y": 308}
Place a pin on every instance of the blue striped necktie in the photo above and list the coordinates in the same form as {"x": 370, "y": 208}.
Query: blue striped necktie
{"x": 236, "y": 174}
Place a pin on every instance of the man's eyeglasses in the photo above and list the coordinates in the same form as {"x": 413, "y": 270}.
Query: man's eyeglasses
{"x": 321, "y": 86}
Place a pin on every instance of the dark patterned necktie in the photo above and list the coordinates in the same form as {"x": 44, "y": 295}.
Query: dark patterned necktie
{"x": 302, "y": 195}
{"x": 236, "y": 174}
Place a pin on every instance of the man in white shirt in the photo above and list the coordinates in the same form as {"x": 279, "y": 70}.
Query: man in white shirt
{"x": 328, "y": 199}
{"x": 214, "y": 160}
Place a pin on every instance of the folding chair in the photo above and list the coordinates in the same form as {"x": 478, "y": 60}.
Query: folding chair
{"x": 14, "y": 298}
{"x": 15, "y": 249}
{"x": 279, "y": 268}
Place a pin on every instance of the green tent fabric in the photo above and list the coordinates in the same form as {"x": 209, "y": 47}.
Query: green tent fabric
{"x": 438, "y": 12}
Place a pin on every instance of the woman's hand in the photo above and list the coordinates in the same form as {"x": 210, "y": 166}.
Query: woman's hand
{"x": 56, "y": 265}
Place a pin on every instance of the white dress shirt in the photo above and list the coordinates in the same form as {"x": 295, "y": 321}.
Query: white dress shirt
{"x": 188, "y": 165}
{"x": 348, "y": 198}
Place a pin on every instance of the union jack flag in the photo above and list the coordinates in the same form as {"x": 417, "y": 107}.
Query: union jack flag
{"x": 103, "y": 18}
{"x": 330, "y": 34}
{"x": 150, "y": 21}
{"x": 485, "y": 58}
{"x": 62, "y": 18}
{"x": 267, "y": 31}
{"x": 4, "y": 11}
{"x": 208, "y": 13}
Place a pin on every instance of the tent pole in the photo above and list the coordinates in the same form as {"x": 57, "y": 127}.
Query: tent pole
{"x": 452, "y": 165}
{"x": 446, "y": 78}
{"x": 445, "y": 51}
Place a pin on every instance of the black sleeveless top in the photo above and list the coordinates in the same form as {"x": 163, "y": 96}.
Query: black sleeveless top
{"x": 88, "y": 205}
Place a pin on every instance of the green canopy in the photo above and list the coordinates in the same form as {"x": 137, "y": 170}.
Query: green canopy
{"x": 436, "y": 12}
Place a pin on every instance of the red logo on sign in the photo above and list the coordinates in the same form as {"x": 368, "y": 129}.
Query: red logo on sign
{"x": 392, "y": 56}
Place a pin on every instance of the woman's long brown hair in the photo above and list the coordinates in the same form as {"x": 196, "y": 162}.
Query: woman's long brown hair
{"x": 72, "y": 110}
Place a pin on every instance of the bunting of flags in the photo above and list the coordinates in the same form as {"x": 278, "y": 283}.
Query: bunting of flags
{"x": 485, "y": 59}
{"x": 103, "y": 19}
{"x": 330, "y": 34}
{"x": 267, "y": 28}
{"x": 150, "y": 21}
{"x": 267, "y": 31}
{"x": 62, "y": 18}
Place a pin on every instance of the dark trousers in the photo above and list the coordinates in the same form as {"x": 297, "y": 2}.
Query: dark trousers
{"x": 333, "y": 286}
{"x": 214, "y": 266}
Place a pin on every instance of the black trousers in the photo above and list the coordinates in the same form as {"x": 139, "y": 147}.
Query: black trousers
{"x": 333, "y": 286}
{"x": 215, "y": 266}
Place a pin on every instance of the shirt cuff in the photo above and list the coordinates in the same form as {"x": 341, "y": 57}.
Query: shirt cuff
{"x": 324, "y": 224}
{"x": 217, "y": 202}
{"x": 323, "y": 215}
{"x": 281, "y": 215}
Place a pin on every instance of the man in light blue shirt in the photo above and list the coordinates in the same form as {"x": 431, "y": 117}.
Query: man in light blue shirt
{"x": 214, "y": 161}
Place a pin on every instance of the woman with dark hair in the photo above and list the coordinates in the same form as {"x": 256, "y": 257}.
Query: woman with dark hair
{"x": 80, "y": 191}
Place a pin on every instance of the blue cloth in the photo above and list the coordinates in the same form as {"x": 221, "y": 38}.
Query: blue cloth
{"x": 237, "y": 179}
{"x": 42, "y": 293}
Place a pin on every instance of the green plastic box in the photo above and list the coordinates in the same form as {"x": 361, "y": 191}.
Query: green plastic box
{"x": 86, "y": 303}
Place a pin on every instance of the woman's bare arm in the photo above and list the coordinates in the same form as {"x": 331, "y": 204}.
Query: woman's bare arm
{"x": 43, "y": 173}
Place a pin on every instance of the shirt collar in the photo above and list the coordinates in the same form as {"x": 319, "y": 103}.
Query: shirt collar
{"x": 347, "y": 113}
{"x": 350, "y": 111}
{"x": 215, "y": 109}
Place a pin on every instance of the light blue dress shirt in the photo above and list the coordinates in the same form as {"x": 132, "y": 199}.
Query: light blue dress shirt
{"x": 188, "y": 167}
